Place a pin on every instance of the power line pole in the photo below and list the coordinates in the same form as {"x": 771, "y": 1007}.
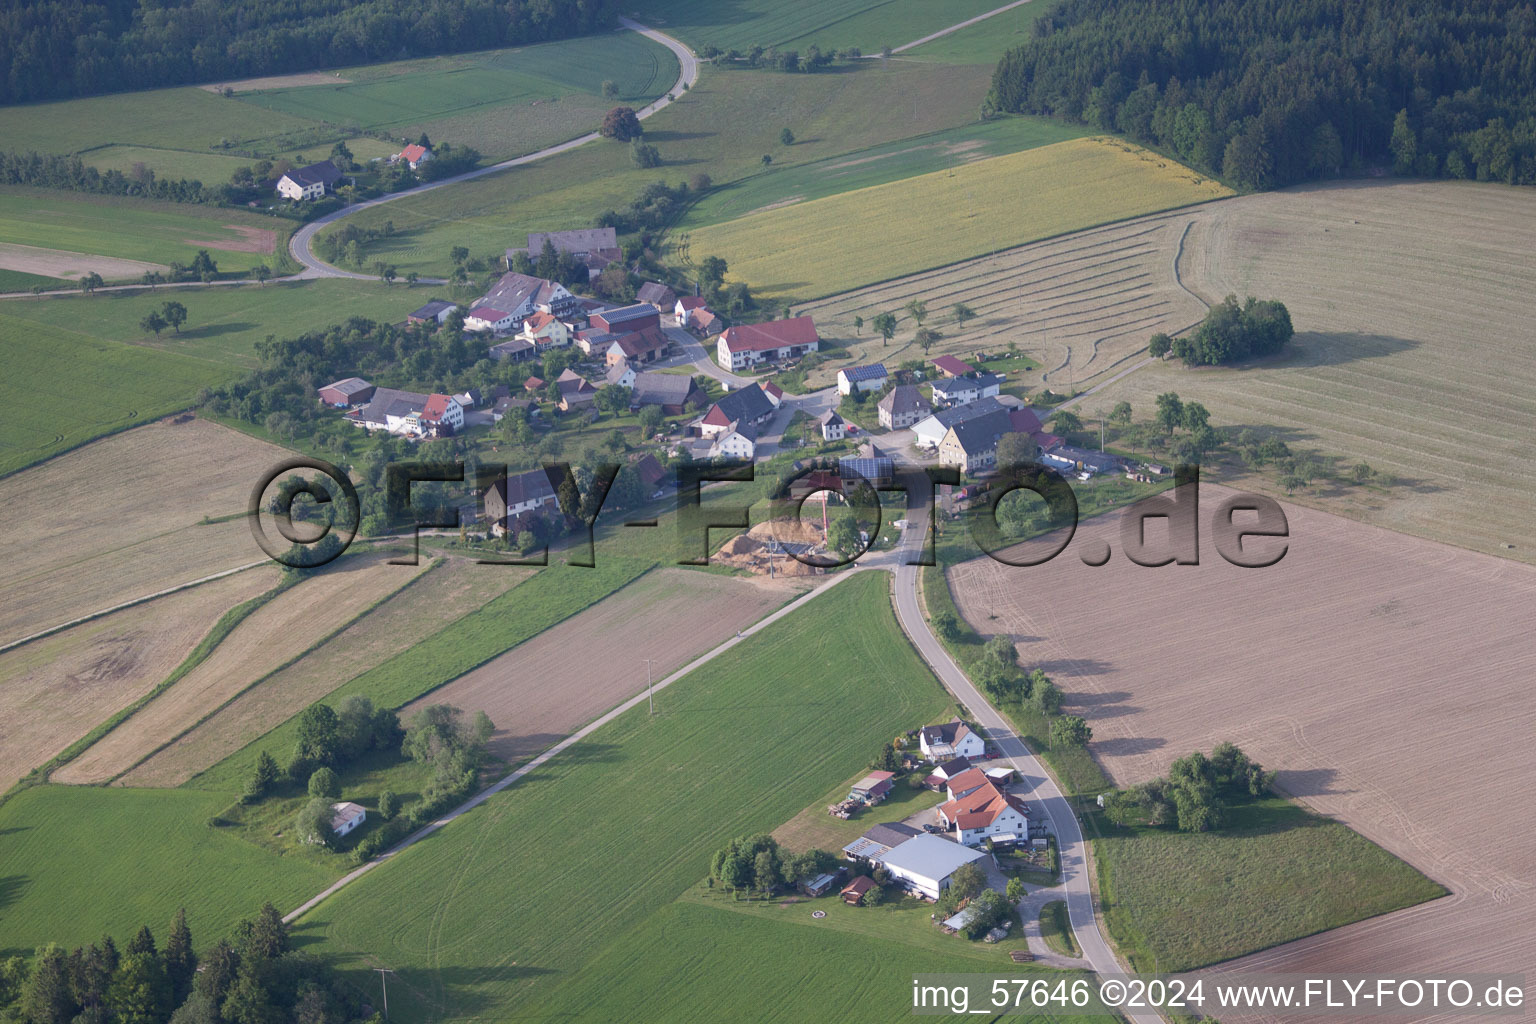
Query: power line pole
{"x": 649, "y": 694}
{"x": 383, "y": 983}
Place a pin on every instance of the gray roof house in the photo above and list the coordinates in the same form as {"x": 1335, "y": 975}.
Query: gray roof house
{"x": 903, "y": 406}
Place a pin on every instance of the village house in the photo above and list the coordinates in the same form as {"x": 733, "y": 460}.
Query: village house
{"x": 687, "y": 307}
{"x": 594, "y": 248}
{"x": 971, "y": 445}
{"x": 522, "y": 295}
{"x": 655, "y": 293}
{"x": 833, "y": 426}
{"x": 640, "y": 347}
{"x": 545, "y": 331}
{"x": 930, "y": 430}
{"x": 776, "y": 341}
{"x": 344, "y": 394}
{"x": 704, "y": 322}
{"x": 924, "y": 864}
{"x": 620, "y": 374}
{"x": 870, "y": 463}
{"x": 410, "y": 414}
{"x": 980, "y": 808}
{"x": 773, "y": 391}
{"x": 739, "y": 441}
{"x": 413, "y": 156}
{"x": 880, "y": 839}
{"x": 488, "y": 318}
{"x": 950, "y": 391}
{"x": 575, "y": 390}
{"x": 861, "y": 378}
{"x": 625, "y": 319}
{"x": 902, "y": 406}
{"x": 654, "y": 477}
{"x": 510, "y": 498}
{"x": 346, "y": 817}
{"x": 434, "y": 312}
{"x": 674, "y": 392}
{"x": 950, "y": 740}
{"x": 749, "y": 405}
{"x": 310, "y": 182}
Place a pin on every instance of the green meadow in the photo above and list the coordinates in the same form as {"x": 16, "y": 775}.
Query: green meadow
{"x": 986, "y": 41}
{"x": 136, "y": 229}
{"x": 797, "y": 24}
{"x": 551, "y": 877}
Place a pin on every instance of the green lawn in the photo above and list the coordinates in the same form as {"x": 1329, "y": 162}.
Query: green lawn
{"x": 223, "y": 323}
{"x": 20, "y": 281}
{"x": 876, "y": 165}
{"x": 63, "y": 388}
{"x": 1175, "y": 901}
{"x": 502, "y": 102}
{"x": 135, "y": 229}
{"x": 1056, "y": 928}
{"x": 80, "y": 861}
{"x": 721, "y": 127}
{"x": 494, "y": 912}
{"x": 797, "y": 24}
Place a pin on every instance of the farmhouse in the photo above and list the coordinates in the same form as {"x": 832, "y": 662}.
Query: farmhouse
{"x": 674, "y": 392}
{"x": 687, "y": 308}
{"x": 930, "y": 430}
{"x": 575, "y": 390}
{"x": 880, "y": 839}
{"x": 948, "y": 391}
{"x": 949, "y": 366}
{"x": 513, "y": 496}
{"x": 434, "y": 312}
{"x": 413, "y": 156}
{"x": 595, "y": 248}
{"x": 738, "y": 442}
{"x": 749, "y": 405}
{"x": 625, "y": 319}
{"x": 522, "y": 296}
{"x": 924, "y": 864}
{"x": 655, "y": 293}
{"x": 347, "y": 816}
{"x": 952, "y": 739}
{"x": 546, "y": 331}
{"x": 410, "y": 414}
{"x": 980, "y": 808}
{"x": 488, "y": 318}
{"x": 310, "y": 182}
{"x": 833, "y": 426}
{"x": 971, "y": 445}
{"x": 747, "y": 345}
{"x": 872, "y": 788}
{"x": 903, "y": 406}
{"x": 620, "y": 374}
{"x": 344, "y": 394}
{"x": 861, "y": 378}
{"x": 644, "y": 346}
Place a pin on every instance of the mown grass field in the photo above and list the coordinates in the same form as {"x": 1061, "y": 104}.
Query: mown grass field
{"x": 136, "y": 229}
{"x": 1175, "y": 901}
{"x": 63, "y": 388}
{"x": 721, "y": 127}
{"x": 739, "y": 746}
{"x": 223, "y": 323}
{"x": 83, "y": 861}
{"x": 781, "y": 186}
{"x": 802, "y": 251}
{"x": 986, "y": 41}
{"x": 797, "y": 24}
{"x": 502, "y": 102}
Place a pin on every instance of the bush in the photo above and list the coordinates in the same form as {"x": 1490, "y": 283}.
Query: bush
{"x": 324, "y": 785}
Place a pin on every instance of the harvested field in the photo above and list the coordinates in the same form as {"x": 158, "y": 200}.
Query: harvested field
{"x": 1413, "y": 307}
{"x": 541, "y": 690}
{"x": 1092, "y": 298}
{"x": 54, "y": 691}
{"x": 292, "y": 81}
{"x": 273, "y": 634}
{"x": 411, "y": 615}
{"x": 96, "y": 527}
{"x": 1385, "y": 677}
{"x": 251, "y": 240}
{"x": 30, "y": 259}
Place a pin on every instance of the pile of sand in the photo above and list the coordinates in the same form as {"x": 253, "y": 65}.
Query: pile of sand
{"x": 749, "y": 550}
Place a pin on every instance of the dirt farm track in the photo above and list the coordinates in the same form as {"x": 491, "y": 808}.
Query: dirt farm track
{"x": 1385, "y": 677}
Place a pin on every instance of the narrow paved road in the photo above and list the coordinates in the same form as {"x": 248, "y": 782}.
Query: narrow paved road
{"x": 303, "y": 239}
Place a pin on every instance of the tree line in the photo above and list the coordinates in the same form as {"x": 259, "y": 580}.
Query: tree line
{"x": 54, "y": 49}
{"x": 1272, "y": 92}
{"x": 253, "y": 977}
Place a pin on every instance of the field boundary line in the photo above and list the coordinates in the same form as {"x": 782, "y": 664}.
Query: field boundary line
{"x": 565, "y": 744}
{"x": 327, "y": 638}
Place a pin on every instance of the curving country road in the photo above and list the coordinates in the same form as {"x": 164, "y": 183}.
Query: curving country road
{"x": 299, "y": 244}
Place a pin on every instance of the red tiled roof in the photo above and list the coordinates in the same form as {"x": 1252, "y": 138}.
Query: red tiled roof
{"x": 800, "y": 330}
{"x": 951, "y": 365}
{"x": 538, "y": 320}
{"x": 691, "y": 302}
{"x": 773, "y": 389}
{"x": 490, "y": 314}
{"x": 413, "y": 153}
{"x": 716, "y": 417}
